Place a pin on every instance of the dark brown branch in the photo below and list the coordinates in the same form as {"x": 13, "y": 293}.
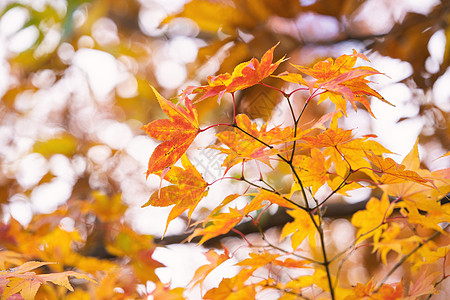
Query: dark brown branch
{"x": 276, "y": 220}
{"x": 335, "y": 210}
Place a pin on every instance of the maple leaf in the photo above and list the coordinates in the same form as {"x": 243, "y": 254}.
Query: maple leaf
{"x": 291, "y": 263}
{"x": 301, "y": 227}
{"x": 340, "y": 80}
{"x": 243, "y": 146}
{"x": 22, "y": 280}
{"x": 269, "y": 196}
{"x": 245, "y": 75}
{"x": 9, "y": 258}
{"x": 393, "y": 172}
{"x": 343, "y": 149}
{"x": 56, "y": 245}
{"x": 431, "y": 220}
{"x": 367, "y": 291}
{"x": 217, "y": 225}
{"x": 258, "y": 260}
{"x": 215, "y": 260}
{"x": 417, "y": 195}
{"x": 164, "y": 292}
{"x": 136, "y": 248}
{"x": 424, "y": 285}
{"x": 389, "y": 240}
{"x": 187, "y": 190}
{"x": 225, "y": 201}
{"x": 429, "y": 254}
{"x": 318, "y": 278}
{"x": 233, "y": 288}
{"x": 177, "y": 133}
{"x": 221, "y": 16}
{"x": 313, "y": 170}
{"x": 354, "y": 153}
{"x": 221, "y": 223}
{"x": 329, "y": 138}
{"x": 373, "y": 216}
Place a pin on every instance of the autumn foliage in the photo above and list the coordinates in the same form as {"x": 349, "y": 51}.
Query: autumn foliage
{"x": 265, "y": 161}
{"x": 406, "y": 226}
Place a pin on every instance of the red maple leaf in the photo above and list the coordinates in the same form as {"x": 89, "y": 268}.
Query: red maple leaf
{"x": 244, "y": 75}
{"x": 177, "y": 133}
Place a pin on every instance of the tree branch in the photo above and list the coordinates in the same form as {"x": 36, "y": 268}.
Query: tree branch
{"x": 334, "y": 210}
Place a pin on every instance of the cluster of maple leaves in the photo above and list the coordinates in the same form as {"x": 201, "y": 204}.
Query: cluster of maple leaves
{"x": 45, "y": 260}
{"x": 317, "y": 156}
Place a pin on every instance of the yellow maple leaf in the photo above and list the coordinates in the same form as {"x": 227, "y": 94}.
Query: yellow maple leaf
{"x": 417, "y": 195}
{"x": 300, "y": 228}
{"x": 373, "y": 216}
{"x": 186, "y": 192}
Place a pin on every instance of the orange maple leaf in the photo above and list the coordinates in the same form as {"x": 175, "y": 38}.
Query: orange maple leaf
{"x": 318, "y": 279}
{"x": 313, "y": 170}
{"x": 217, "y": 225}
{"x": 186, "y": 192}
{"x": 244, "y": 75}
{"x": 215, "y": 260}
{"x": 272, "y": 197}
{"x": 340, "y": 80}
{"x": 329, "y": 138}
{"x": 342, "y": 149}
{"x": 244, "y": 147}
{"x": 258, "y": 260}
{"x": 354, "y": 152}
{"x": 395, "y": 173}
{"x": 225, "y": 201}
{"x": 392, "y": 291}
{"x": 220, "y": 223}
{"x": 177, "y": 133}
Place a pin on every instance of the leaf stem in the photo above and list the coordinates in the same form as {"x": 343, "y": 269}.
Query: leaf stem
{"x": 222, "y": 178}
{"x": 234, "y": 108}
{"x": 299, "y": 89}
{"x": 215, "y": 125}
{"x": 272, "y": 87}
{"x": 254, "y": 137}
{"x": 272, "y": 191}
{"x": 242, "y": 236}
{"x": 334, "y": 191}
{"x": 263, "y": 237}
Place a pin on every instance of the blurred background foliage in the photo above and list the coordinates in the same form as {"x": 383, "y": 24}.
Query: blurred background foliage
{"x": 75, "y": 82}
